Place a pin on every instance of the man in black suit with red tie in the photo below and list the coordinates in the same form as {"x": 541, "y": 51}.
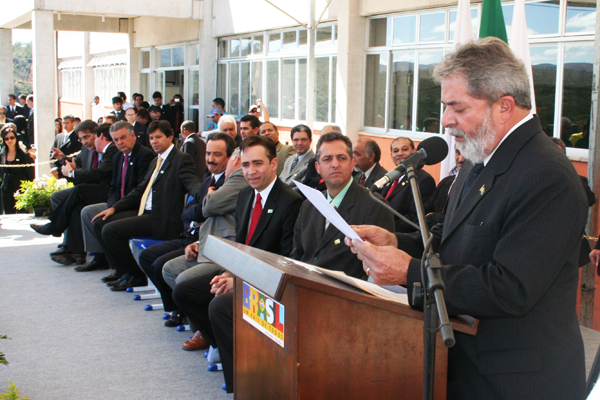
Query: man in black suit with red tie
{"x": 152, "y": 209}
{"x": 265, "y": 216}
{"x": 399, "y": 193}
{"x": 130, "y": 165}
{"x": 510, "y": 240}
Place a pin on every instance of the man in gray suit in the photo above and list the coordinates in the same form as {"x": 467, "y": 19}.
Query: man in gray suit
{"x": 284, "y": 151}
{"x": 366, "y": 156}
{"x": 295, "y": 166}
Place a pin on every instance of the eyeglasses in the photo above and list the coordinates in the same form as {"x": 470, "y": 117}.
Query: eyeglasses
{"x": 10, "y": 138}
{"x": 2, "y": 113}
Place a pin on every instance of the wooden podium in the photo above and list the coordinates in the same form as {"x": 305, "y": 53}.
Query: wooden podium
{"x": 338, "y": 341}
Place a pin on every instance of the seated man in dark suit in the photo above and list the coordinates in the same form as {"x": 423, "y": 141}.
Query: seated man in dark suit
{"x": 366, "y": 157}
{"x": 399, "y": 193}
{"x": 130, "y": 165}
{"x": 265, "y": 216}
{"x": 194, "y": 146}
{"x": 152, "y": 209}
{"x": 92, "y": 182}
{"x": 219, "y": 148}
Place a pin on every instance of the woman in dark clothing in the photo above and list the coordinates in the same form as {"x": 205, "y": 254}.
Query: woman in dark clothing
{"x": 13, "y": 154}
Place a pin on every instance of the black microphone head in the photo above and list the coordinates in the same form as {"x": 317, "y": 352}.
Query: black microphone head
{"x": 435, "y": 149}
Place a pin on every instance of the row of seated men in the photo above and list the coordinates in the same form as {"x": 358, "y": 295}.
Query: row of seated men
{"x": 124, "y": 190}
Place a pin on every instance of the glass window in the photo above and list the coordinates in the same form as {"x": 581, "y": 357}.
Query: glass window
{"x": 289, "y": 41}
{"x": 303, "y": 40}
{"x": 403, "y": 69}
{"x": 322, "y": 89}
{"x": 234, "y": 88}
{"x": 433, "y": 27}
{"x": 145, "y": 59}
{"x": 178, "y": 56}
{"x": 145, "y": 84}
{"x": 544, "y": 59}
{"x": 222, "y": 81}
{"x": 246, "y": 46}
{"x": 288, "y": 89}
{"x": 323, "y": 38}
{"x": 195, "y": 87}
{"x": 256, "y": 81}
{"x": 257, "y": 45}
{"x": 160, "y": 82}
{"x": 429, "y": 94}
{"x": 274, "y": 42}
{"x": 196, "y": 52}
{"x": 244, "y": 88}
{"x": 581, "y": 17}
{"x": 333, "y": 86}
{"x": 302, "y": 75}
{"x": 164, "y": 57}
{"x": 542, "y": 17}
{"x": 474, "y": 21}
{"x": 375, "y": 90}
{"x": 405, "y": 29}
{"x": 223, "y": 48}
{"x": 378, "y": 32}
{"x": 234, "y": 48}
{"x": 273, "y": 88}
{"x": 577, "y": 94}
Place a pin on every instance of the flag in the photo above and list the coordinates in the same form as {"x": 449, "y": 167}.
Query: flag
{"x": 463, "y": 32}
{"x": 492, "y": 20}
{"x": 519, "y": 43}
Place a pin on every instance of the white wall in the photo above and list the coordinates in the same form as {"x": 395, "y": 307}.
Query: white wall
{"x": 370, "y": 7}
{"x": 107, "y": 42}
{"x": 150, "y": 31}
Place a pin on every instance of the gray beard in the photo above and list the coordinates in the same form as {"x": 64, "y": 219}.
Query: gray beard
{"x": 478, "y": 147}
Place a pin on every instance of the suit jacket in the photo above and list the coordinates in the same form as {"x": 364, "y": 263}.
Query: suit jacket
{"x": 196, "y": 148}
{"x": 219, "y": 210}
{"x": 177, "y": 177}
{"x": 141, "y": 134}
{"x": 275, "y": 229}
{"x": 325, "y": 248}
{"x": 194, "y": 210}
{"x": 101, "y": 175}
{"x": 283, "y": 152}
{"x": 402, "y": 199}
{"x": 510, "y": 251}
{"x": 288, "y": 174}
{"x": 119, "y": 114}
{"x": 30, "y": 131}
{"x": 18, "y": 111}
{"x": 12, "y": 177}
{"x": 68, "y": 144}
{"x": 377, "y": 173}
{"x": 139, "y": 161}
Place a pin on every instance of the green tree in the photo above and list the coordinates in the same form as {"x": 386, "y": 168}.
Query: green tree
{"x": 23, "y": 78}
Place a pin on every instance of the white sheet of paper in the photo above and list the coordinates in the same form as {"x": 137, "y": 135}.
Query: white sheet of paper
{"x": 320, "y": 202}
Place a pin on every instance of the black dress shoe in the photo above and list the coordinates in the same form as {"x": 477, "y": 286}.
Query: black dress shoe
{"x": 130, "y": 281}
{"x": 177, "y": 318}
{"x": 45, "y": 229}
{"x": 69, "y": 258}
{"x": 111, "y": 278}
{"x": 91, "y": 266}
{"x": 62, "y": 249}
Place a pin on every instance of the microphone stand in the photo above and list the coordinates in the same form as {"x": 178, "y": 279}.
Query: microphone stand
{"x": 432, "y": 297}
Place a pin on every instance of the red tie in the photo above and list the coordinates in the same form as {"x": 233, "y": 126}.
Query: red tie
{"x": 95, "y": 160}
{"x": 124, "y": 174}
{"x": 392, "y": 188}
{"x": 255, "y": 217}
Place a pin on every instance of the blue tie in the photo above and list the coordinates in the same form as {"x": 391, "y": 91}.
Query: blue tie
{"x": 473, "y": 174}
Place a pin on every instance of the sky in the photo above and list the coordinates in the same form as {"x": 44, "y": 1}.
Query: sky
{"x": 21, "y": 35}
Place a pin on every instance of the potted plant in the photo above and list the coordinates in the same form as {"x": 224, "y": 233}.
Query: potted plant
{"x": 35, "y": 195}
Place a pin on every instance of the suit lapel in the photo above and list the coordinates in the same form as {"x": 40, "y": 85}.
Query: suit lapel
{"x": 165, "y": 165}
{"x": 402, "y": 185}
{"x": 344, "y": 211}
{"x": 245, "y": 222}
{"x": 267, "y": 212}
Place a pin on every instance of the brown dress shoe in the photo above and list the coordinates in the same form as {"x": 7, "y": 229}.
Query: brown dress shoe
{"x": 197, "y": 342}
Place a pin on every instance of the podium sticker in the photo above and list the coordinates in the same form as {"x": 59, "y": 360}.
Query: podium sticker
{"x": 264, "y": 313}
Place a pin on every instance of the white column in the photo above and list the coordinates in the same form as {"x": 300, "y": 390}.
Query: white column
{"x": 6, "y": 64}
{"x": 133, "y": 66}
{"x": 87, "y": 78}
{"x": 350, "y": 65}
{"x": 44, "y": 91}
{"x": 311, "y": 104}
{"x": 208, "y": 65}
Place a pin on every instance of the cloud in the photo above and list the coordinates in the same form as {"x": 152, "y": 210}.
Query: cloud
{"x": 582, "y": 22}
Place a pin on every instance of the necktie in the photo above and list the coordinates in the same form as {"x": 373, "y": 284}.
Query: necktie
{"x": 294, "y": 163}
{"x": 149, "y": 186}
{"x": 255, "y": 217}
{"x": 389, "y": 193}
{"x": 362, "y": 180}
{"x": 94, "y": 159}
{"x": 124, "y": 174}
{"x": 473, "y": 174}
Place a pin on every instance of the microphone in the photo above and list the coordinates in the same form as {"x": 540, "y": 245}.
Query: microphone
{"x": 429, "y": 152}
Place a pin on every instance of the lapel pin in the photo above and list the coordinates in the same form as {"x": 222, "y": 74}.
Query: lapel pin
{"x": 131, "y": 163}
{"x": 270, "y": 211}
{"x": 482, "y": 190}
{"x": 162, "y": 172}
{"x": 336, "y": 241}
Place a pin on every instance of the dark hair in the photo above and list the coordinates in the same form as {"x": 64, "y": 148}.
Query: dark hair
{"x": 371, "y": 147}
{"x": 332, "y": 137}
{"x": 70, "y": 117}
{"x": 189, "y": 126}
{"x": 12, "y": 96}
{"x": 135, "y": 95}
{"x": 112, "y": 117}
{"x": 155, "y": 109}
{"x": 58, "y": 119}
{"x": 86, "y": 126}
{"x": 122, "y": 95}
{"x": 161, "y": 125}
{"x": 10, "y": 127}
{"x": 254, "y": 122}
{"x": 157, "y": 95}
{"x": 229, "y": 141}
{"x": 133, "y": 109}
{"x": 263, "y": 141}
{"x": 412, "y": 144}
{"x": 267, "y": 122}
{"x": 23, "y": 97}
{"x": 121, "y": 124}
{"x": 20, "y": 123}
{"x": 143, "y": 113}
{"x": 219, "y": 102}
{"x": 29, "y": 97}
{"x": 104, "y": 129}
{"x": 117, "y": 99}
{"x": 145, "y": 105}
{"x": 301, "y": 128}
